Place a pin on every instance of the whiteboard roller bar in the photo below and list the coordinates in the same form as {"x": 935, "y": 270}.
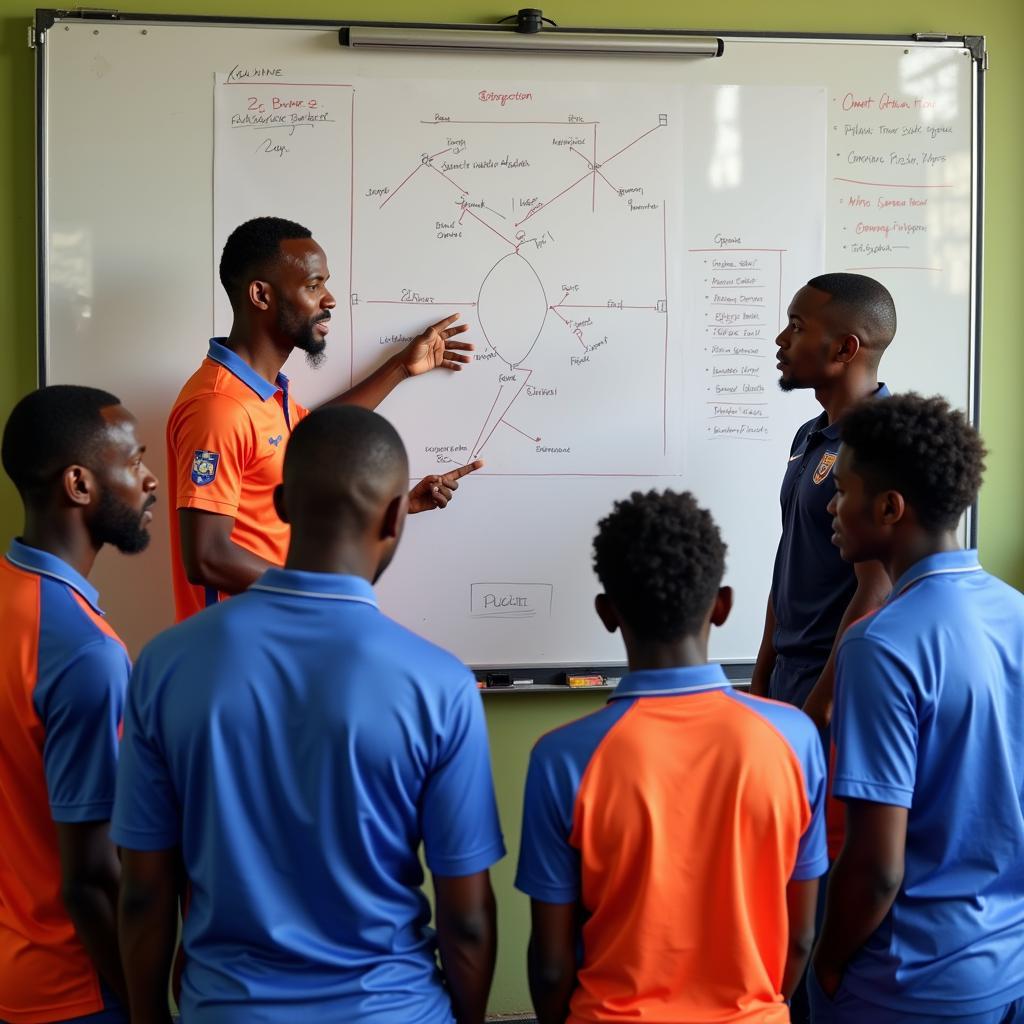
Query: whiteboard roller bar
{"x": 539, "y": 42}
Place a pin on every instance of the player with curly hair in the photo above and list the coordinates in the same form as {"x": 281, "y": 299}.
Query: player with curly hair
{"x": 924, "y": 914}
{"x": 678, "y": 832}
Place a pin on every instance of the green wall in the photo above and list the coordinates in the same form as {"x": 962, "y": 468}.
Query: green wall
{"x": 517, "y": 720}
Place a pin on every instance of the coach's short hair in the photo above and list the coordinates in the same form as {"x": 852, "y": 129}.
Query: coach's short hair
{"x": 254, "y": 248}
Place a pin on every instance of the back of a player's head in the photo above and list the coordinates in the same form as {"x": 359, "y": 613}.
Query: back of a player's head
{"x": 920, "y": 447}
{"x": 254, "y": 248}
{"x": 862, "y": 306}
{"x": 660, "y": 559}
{"x": 343, "y": 463}
{"x": 51, "y": 429}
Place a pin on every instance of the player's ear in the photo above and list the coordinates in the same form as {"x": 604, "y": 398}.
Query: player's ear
{"x": 78, "y": 484}
{"x": 606, "y": 612}
{"x": 849, "y": 346}
{"x": 279, "y": 505}
{"x": 261, "y": 294}
{"x": 722, "y": 606}
{"x": 890, "y": 507}
{"x": 394, "y": 515}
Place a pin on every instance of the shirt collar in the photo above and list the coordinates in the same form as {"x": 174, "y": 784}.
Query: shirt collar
{"x": 44, "y": 564}
{"x": 944, "y": 563}
{"x": 220, "y": 353}
{"x": 832, "y": 430}
{"x": 328, "y": 586}
{"x": 666, "y": 682}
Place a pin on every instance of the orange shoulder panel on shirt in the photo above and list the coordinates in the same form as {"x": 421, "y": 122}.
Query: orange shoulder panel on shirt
{"x": 696, "y": 804}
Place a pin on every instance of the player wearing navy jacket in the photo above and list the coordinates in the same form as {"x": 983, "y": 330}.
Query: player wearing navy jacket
{"x": 924, "y": 920}
{"x": 839, "y": 325}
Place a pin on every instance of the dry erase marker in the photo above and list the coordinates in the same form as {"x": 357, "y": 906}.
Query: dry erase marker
{"x": 579, "y": 682}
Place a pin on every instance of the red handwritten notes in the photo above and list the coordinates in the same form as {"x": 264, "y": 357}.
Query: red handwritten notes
{"x": 895, "y": 167}
{"x": 502, "y": 98}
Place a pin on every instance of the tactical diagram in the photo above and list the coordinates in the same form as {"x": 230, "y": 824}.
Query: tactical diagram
{"x": 550, "y": 236}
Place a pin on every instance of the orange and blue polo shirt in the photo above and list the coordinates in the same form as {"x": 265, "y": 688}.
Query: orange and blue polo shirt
{"x": 63, "y": 675}
{"x": 226, "y": 437}
{"x": 675, "y": 817}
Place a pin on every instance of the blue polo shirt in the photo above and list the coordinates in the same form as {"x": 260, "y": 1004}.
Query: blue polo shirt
{"x": 676, "y": 816}
{"x": 811, "y": 584}
{"x": 929, "y": 715}
{"x": 299, "y": 746}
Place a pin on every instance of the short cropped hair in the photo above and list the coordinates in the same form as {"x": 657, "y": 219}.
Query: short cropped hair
{"x": 920, "y": 447}
{"x": 254, "y": 247}
{"x": 51, "y": 429}
{"x": 868, "y": 300}
{"x": 660, "y": 558}
{"x": 340, "y": 455}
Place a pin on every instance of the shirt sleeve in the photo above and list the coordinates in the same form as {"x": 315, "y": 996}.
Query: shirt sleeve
{"x": 549, "y": 866}
{"x": 875, "y": 725}
{"x": 81, "y": 715}
{"x": 461, "y": 831}
{"x": 812, "y": 852}
{"x": 146, "y": 812}
{"x": 211, "y": 442}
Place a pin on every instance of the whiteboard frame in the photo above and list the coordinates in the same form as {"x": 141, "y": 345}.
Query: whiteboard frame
{"x": 47, "y": 18}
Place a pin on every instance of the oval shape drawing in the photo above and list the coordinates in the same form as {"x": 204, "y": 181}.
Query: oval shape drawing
{"x": 511, "y": 308}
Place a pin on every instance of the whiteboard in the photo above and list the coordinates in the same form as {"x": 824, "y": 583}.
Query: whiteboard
{"x": 622, "y": 235}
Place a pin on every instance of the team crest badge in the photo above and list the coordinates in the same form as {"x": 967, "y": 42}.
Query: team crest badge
{"x": 204, "y": 467}
{"x": 828, "y": 460}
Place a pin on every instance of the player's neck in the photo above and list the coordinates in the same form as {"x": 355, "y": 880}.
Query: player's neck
{"x": 917, "y": 546}
{"x": 341, "y": 556}
{"x": 61, "y": 536}
{"x": 838, "y": 397}
{"x": 644, "y": 655}
{"x": 258, "y": 349}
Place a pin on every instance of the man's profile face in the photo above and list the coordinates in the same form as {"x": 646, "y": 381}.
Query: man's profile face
{"x": 304, "y": 303}
{"x": 805, "y": 342}
{"x": 126, "y": 486}
{"x": 854, "y": 529}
